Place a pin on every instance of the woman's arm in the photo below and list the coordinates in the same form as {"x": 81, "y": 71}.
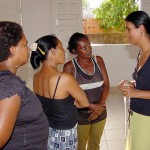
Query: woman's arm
{"x": 100, "y": 107}
{"x": 9, "y": 109}
{"x": 128, "y": 89}
{"x": 139, "y": 94}
{"x": 75, "y": 91}
{"x": 69, "y": 68}
{"x": 106, "y": 86}
{"x": 131, "y": 92}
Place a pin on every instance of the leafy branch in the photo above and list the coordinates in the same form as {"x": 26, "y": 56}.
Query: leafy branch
{"x": 111, "y": 14}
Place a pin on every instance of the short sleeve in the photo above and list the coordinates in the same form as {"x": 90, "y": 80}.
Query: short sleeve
{"x": 11, "y": 85}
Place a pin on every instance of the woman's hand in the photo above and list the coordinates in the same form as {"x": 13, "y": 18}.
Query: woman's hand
{"x": 97, "y": 108}
{"x": 123, "y": 83}
{"x": 92, "y": 116}
{"x": 129, "y": 91}
{"x": 127, "y": 88}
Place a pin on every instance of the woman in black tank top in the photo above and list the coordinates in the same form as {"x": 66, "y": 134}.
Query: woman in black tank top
{"x": 57, "y": 92}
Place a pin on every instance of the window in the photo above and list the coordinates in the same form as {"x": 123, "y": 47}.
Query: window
{"x": 91, "y": 25}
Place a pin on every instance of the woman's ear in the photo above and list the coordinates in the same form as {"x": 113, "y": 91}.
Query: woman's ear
{"x": 142, "y": 29}
{"x": 12, "y": 50}
{"x": 53, "y": 51}
{"x": 74, "y": 51}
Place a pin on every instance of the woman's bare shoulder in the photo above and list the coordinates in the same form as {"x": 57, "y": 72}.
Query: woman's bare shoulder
{"x": 69, "y": 67}
{"x": 67, "y": 76}
{"x": 99, "y": 60}
{"x": 68, "y": 64}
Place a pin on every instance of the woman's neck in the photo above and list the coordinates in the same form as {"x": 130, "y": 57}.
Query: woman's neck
{"x": 145, "y": 45}
{"x": 5, "y": 66}
{"x": 84, "y": 61}
{"x": 49, "y": 65}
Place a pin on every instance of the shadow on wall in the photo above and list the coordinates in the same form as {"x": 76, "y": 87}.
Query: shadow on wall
{"x": 132, "y": 52}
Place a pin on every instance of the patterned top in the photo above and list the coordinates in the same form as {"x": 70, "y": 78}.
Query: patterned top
{"x": 92, "y": 85}
{"x": 142, "y": 79}
{"x": 31, "y": 127}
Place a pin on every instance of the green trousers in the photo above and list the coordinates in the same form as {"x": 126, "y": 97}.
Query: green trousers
{"x": 138, "y": 137}
{"x": 89, "y": 135}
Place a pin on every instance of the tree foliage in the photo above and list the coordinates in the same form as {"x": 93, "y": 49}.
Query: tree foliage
{"x": 111, "y": 13}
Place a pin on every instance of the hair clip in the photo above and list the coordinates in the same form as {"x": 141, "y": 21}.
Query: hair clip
{"x": 33, "y": 46}
{"x": 43, "y": 53}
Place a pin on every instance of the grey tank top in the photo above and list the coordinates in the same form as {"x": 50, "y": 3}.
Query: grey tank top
{"x": 92, "y": 85}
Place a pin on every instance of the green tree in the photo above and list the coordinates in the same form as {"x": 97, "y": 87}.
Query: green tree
{"x": 111, "y": 14}
{"x": 85, "y": 4}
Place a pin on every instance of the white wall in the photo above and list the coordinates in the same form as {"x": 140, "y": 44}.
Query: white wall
{"x": 120, "y": 61}
{"x": 36, "y": 18}
{"x": 10, "y": 10}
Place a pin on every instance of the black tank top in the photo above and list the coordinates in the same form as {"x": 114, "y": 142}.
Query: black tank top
{"x": 61, "y": 113}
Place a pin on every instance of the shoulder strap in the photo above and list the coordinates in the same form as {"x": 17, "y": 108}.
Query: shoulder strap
{"x": 95, "y": 60}
{"x": 56, "y": 86}
{"x": 74, "y": 64}
{"x": 94, "y": 57}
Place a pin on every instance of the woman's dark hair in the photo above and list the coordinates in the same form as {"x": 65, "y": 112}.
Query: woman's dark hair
{"x": 44, "y": 44}
{"x": 139, "y": 18}
{"x": 10, "y": 35}
{"x": 73, "y": 41}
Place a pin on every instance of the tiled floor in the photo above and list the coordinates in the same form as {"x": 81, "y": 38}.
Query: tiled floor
{"x": 114, "y": 133}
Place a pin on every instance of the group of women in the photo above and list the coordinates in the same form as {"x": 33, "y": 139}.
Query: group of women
{"x": 67, "y": 110}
